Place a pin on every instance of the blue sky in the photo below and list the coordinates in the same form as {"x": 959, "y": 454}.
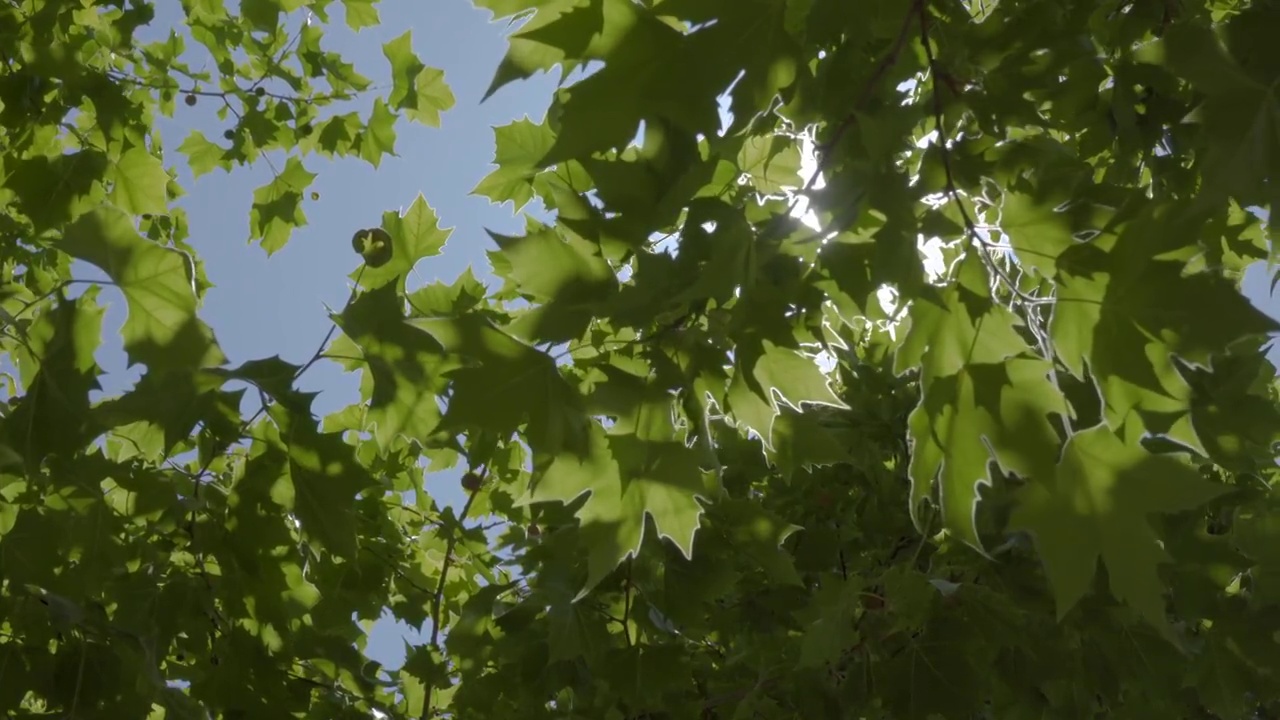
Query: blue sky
{"x": 265, "y": 306}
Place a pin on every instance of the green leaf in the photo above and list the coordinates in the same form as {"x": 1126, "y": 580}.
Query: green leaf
{"x": 958, "y": 327}
{"x": 505, "y": 8}
{"x": 431, "y": 97}
{"x": 573, "y": 631}
{"x": 274, "y": 377}
{"x": 566, "y": 275}
{"x": 527, "y": 56}
{"x": 831, "y": 629}
{"x": 139, "y": 183}
{"x": 1129, "y": 313}
{"x": 415, "y": 234}
{"x": 629, "y": 480}
{"x": 322, "y": 481}
{"x": 277, "y": 206}
{"x": 52, "y": 191}
{"x": 985, "y": 412}
{"x": 456, "y": 299}
{"x": 379, "y": 137}
{"x": 53, "y": 416}
{"x": 800, "y": 441}
{"x": 162, "y": 330}
{"x": 405, "y": 367}
{"x": 759, "y": 534}
{"x": 505, "y": 383}
{"x": 175, "y": 401}
{"x": 361, "y": 14}
{"x": 772, "y": 163}
{"x": 1098, "y": 503}
{"x": 638, "y": 48}
{"x": 762, "y": 371}
{"x": 203, "y": 155}
{"x": 519, "y": 148}
{"x": 406, "y": 70}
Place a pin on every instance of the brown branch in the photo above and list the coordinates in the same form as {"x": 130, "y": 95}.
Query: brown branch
{"x": 226, "y": 94}
{"x": 887, "y": 61}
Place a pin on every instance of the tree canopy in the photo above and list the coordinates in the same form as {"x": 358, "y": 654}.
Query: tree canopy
{"x": 878, "y": 359}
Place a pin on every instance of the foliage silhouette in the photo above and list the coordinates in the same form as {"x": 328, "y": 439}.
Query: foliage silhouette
{"x": 920, "y": 386}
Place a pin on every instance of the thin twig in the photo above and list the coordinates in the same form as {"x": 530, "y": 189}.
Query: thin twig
{"x": 225, "y": 94}
{"x": 450, "y": 544}
{"x": 887, "y": 61}
{"x": 333, "y": 327}
{"x": 626, "y": 604}
{"x": 823, "y": 152}
{"x": 971, "y": 227}
{"x": 199, "y": 477}
{"x": 437, "y": 600}
{"x": 278, "y": 62}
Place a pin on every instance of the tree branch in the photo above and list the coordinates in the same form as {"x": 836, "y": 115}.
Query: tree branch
{"x": 452, "y": 542}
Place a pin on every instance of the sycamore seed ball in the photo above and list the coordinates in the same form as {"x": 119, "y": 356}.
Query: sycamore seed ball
{"x": 471, "y": 482}
{"x": 374, "y": 245}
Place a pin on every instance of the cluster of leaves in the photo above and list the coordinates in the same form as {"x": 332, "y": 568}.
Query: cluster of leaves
{"x": 969, "y": 420}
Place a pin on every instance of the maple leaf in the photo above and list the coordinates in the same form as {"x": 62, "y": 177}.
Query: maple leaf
{"x": 360, "y": 14}
{"x": 277, "y": 206}
{"x": 566, "y": 274}
{"x": 629, "y": 480}
{"x": 960, "y": 326}
{"x": 1240, "y": 116}
{"x": 760, "y": 372}
{"x": 203, "y": 155}
{"x": 379, "y": 136}
{"x": 519, "y": 147}
{"x": 140, "y": 183}
{"x": 53, "y": 415}
{"x": 405, "y": 67}
{"x": 984, "y": 412}
{"x": 1128, "y": 313}
{"x": 415, "y": 234}
{"x": 321, "y": 482}
{"x": 504, "y": 383}
{"x": 529, "y": 55}
{"x": 162, "y": 329}
{"x": 405, "y": 365}
{"x": 1097, "y": 505}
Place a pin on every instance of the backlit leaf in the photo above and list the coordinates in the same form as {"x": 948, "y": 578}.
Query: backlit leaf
{"x": 162, "y": 329}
